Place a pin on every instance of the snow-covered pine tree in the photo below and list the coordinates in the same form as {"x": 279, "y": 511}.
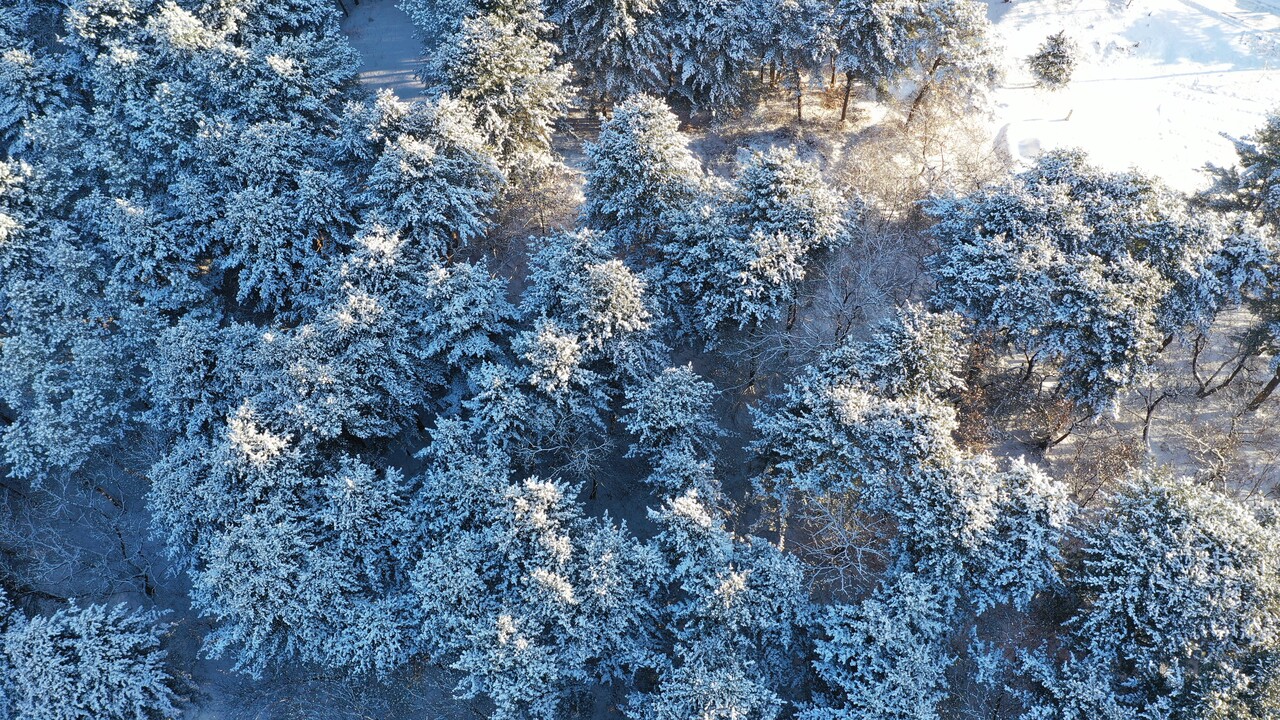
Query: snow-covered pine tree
{"x": 193, "y": 148}
{"x": 94, "y": 661}
{"x": 1054, "y": 61}
{"x": 1207, "y": 612}
{"x": 869, "y": 38}
{"x": 670, "y": 417}
{"x": 795, "y": 38}
{"x": 777, "y": 192}
{"x": 616, "y": 46}
{"x": 1253, "y": 184}
{"x": 170, "y": 103}
{"x": 885, "y": 657}
{"x": 1250, "y": 261}
{"x": 641, "y": 170}
{"x": 712, "y": 50}
{"x": 738, "y": 262}
{"x": 392, "y": 329}
{"x": 433, "y": 179}
{"x": 672, "y": 410}
{"x": 950, "y": 54}
{"x": 1093, "y": 270}
{"x": 437, "y": 21}
{"x": 879, "y": 483}
{"x": 295, "y": 549}
{"x": 69, "y": 363}
{"x": 590, "y": 333}
{"x": 499, "y": 66}
{"x": 32, "y": 84}
{"x": 734, "y": 611}
{"x": 574, "y": 282}
{"x": 282, "y": 206}
{"x": 523, "y": 594}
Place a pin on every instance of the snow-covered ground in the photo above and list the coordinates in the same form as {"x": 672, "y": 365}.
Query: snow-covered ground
{"x": 390, "y": 54}
{"x": 1157, "y": 80}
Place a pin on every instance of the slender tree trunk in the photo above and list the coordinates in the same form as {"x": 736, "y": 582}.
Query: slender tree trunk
{"x": 833, "y": 71}
{"x": 924, "y": 89}
{"x": 1031, "y": 366}
{"x": 848, "y": 86}
{"x": 799, "y": 81}
{"x": 1206, "y": 390}
{"x": 1146, "y": 422}
{"x": 1267, "y": 389}
{"x": 1051, "y": 442}
{"x": 915, "y": 104}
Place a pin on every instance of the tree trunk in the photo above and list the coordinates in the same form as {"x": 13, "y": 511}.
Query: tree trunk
{"x": 1267, "y": 389}
{"x": 1206, "y": 390}
{"x": 833, "y": 71}
{"x": 1146, "y": 422}
{"x": 924, "y": 88}
{"x": 915, "y": 104}
{"x": 848, "y": 85}
{"x": 1031, "y": 367}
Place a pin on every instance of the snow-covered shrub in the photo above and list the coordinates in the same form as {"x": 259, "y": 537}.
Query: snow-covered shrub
{"x": 1054, "y": 61}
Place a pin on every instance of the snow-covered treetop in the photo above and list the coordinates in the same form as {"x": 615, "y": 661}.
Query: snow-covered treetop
{"x": 1094, "y": 268}
{"x": 641, "y": 169}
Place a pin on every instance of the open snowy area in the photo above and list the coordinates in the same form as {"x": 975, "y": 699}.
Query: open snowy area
{"x": 1158, "y": 80}
{"x": 640, "y": 359}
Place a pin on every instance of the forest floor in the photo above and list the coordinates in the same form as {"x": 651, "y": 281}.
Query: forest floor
{"x": 390, "y": 53}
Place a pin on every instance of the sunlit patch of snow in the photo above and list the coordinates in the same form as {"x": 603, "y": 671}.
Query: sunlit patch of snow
{"x": 1157, "y": 82}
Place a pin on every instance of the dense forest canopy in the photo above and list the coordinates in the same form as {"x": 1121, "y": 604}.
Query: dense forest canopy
{"x": 569, "y": 391}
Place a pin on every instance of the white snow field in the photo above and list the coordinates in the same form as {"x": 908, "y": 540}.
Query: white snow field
{"x": 1156, "y": 84}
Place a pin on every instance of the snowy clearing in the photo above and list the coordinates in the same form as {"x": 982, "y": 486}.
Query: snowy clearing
{"x": 1157, "y": 81}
